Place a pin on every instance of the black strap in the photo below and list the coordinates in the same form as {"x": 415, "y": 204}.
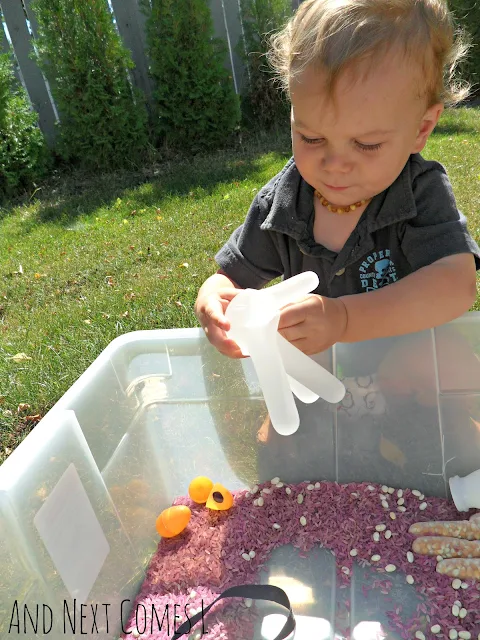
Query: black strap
{"x": 255, "y": 592}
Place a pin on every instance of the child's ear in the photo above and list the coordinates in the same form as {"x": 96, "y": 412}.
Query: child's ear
{"x": 427, "y": 125}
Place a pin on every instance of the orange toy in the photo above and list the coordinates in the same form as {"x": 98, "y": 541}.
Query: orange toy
{"x": 199, "y": 489}
{"x": 220, "y": 499}
{"x": 173, "y": 520}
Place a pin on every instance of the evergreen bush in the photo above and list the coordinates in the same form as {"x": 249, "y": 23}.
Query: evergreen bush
{"x": 24, "y": 155}
{"x": 467, "y": 16}
{"x": 103, "y": 120}
{"x": 263, "y": 102}
{"x": 196, "y": 106}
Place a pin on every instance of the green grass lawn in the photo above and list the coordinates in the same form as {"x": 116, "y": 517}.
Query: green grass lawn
{"x": 86, "y": 259}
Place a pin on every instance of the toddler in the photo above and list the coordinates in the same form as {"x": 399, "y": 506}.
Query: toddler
{"x": 357, "y": 203}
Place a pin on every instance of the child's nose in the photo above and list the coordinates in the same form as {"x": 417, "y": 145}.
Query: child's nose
{"x": 335, "y": 161}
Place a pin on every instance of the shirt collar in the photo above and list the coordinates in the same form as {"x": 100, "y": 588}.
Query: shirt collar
{"x": 291, "y": 202}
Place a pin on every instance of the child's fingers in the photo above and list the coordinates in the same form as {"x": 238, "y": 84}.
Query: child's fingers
{"x": 218, "y": 339}
{"x": 228, "y": 294}
{"x": 214, "y": 312}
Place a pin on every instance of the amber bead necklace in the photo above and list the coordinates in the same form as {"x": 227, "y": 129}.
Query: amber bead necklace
{"x": 335, "y": 209}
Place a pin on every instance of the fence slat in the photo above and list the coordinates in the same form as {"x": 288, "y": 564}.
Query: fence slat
{"x": 31, "y": 17}
{"x": 17, "y": 27}
{"x": 6, "y": 48}
{"x": 4, "y": 44}
{"x": 220, "y": 31}
{"x": 131, "y": 26}
{"x": 235, "y": 36}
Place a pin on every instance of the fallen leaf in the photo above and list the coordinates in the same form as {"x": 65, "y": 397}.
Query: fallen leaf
{"x": 40, "y": 275}
{"x": 19, "y": 357}
{"x": 35, "y": 418}
{"x": 125, "y": 221}
{"x": 23, "y": 406}
{"x": 129, "y": 296}
{"x": 87, "y": 321}
{"x": 178, "y": 303}
{"x": 391, "y": 452}
{"x": 125, "y": 314}
{"x": 184, "y": 265}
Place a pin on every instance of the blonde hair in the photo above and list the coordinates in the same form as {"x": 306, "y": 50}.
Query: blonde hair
{"x": 334, "y": 34}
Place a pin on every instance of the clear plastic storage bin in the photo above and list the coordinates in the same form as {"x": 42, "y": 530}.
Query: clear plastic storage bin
{"x": 79, "y": 497}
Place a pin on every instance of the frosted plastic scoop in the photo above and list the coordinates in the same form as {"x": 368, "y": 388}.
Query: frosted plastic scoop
{"x": 282, "y": 369}
{"x": 466, "y": 491}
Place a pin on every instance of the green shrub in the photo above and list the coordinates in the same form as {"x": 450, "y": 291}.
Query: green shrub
{"x": 6, "y": 81}
{"x": 263, "y": 102}
{"x": 103, "y": 121}
{"x": 24, "y": 155}
{"x": 467, "y": 16}
{"x": 196, "y": 106}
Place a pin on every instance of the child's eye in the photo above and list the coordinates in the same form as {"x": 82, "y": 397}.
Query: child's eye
{"x": 311, "y": 140}
{"x": 368, "y": 147}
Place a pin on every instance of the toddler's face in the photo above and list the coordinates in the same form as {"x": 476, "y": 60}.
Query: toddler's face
{"x": 357, "y": 148}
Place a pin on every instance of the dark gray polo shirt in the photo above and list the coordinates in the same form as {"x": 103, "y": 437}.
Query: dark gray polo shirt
{"x": 410, "y": 225}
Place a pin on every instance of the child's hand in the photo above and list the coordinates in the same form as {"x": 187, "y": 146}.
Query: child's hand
{"x": 210, "y": 311}
{"x": 314, "y": 323}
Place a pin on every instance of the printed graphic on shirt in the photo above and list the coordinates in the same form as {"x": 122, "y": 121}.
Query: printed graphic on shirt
{"x": 377, "y": 270}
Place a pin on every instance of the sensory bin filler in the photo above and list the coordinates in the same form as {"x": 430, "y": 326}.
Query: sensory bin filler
{"x": 145, "y": 505}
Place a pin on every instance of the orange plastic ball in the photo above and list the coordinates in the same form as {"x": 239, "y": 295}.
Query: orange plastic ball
{"x": 199, "y": 489}
{"x": 173, "y": 521}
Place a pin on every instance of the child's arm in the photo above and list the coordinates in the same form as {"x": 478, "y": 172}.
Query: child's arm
{"x": 429, "y": 297}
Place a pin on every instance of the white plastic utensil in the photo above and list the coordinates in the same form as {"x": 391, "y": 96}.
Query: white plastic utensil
{"x": 466, "y": 491}
{"x": 281, "y": 368}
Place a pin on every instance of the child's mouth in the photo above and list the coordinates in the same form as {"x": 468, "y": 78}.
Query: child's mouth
{"x": 335, "y": 188}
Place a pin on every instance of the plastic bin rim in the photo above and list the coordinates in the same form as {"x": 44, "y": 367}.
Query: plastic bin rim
{"x": 132, "y": 336}
{"x": 63, "y": 403}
